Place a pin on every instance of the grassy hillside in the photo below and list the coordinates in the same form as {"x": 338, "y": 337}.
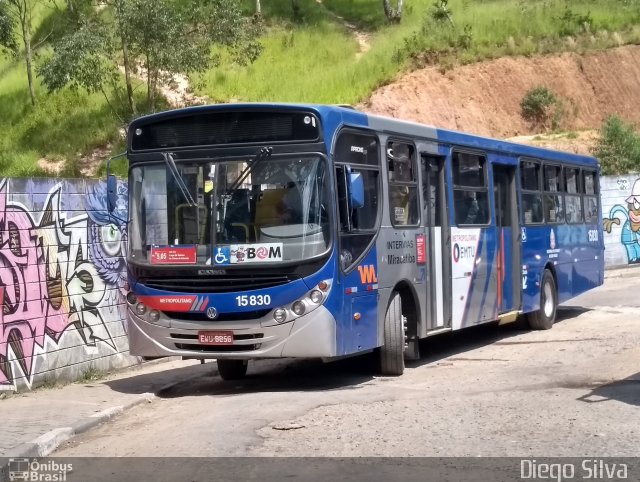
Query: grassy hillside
{"x": 64, "y": 125}
{"x": 315, "y": 60}
{"x": 335, "y": 51}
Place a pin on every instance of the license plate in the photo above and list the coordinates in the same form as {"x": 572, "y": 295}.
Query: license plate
{"x": 215, "y": 337}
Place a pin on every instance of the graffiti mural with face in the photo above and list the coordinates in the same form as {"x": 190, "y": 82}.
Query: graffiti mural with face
{"x": 108, "y": 242}
{"x": 630, "y": 214}
{"x": 58, "y": 270}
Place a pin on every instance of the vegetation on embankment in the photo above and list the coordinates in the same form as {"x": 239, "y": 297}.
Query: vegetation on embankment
{"x": 326, "y": 51}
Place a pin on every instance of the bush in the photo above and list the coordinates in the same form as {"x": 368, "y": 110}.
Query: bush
{"x": 542, "y": 107}
{"x": 572, "y": 23}
{"x": 536, "y": 103}
{"x": 618, "y": 147}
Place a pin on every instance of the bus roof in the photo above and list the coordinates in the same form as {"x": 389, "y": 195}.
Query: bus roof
{"x": 334, "y": 116}
{"x": 473, "y": 141}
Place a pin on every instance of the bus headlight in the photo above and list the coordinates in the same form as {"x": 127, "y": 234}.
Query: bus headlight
{"x": 316, "y": 297}
{"x": 298, "y": 308}
{"x": 154, "y": 316}
{"x": 131, "y": 298}
{"x": 280, "y": 315}
{"x": 140, "y": 309}
{"x": 303, "y": 306}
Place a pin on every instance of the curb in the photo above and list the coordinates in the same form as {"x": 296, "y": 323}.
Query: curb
{"x": 50, "y": 441}
{"x": 45, "y": 444}
{"x": 622, "y": 271}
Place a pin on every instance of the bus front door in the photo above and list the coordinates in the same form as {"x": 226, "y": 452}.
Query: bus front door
{"x": 508, "y": 238}
{"x": 438, "y": 234}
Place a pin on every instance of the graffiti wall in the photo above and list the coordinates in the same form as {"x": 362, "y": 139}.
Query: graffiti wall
{"x": 621, "y": 219}
{"x": 62, "y": 281}
{"x": 63, "y": 275}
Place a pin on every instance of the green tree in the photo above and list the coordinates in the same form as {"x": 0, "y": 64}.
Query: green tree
{"x": 441, "y": 12}
{"x": 17, "y": 15}
{"x": 393, "y": 14}
{"x": 161, "y": 37}
{"x": 160, "y": 40}
{"x": 296, "y": 12}
{"x": 618, "y": 147}
{"x": 7, "y": 29}
{"x": 82, "y": 60}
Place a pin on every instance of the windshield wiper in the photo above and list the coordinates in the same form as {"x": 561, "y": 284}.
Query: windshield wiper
{"x": 265, "y": 153}
{"x": 171, "y": 164}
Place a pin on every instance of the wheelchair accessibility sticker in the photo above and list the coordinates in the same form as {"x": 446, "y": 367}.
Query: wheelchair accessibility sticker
{"x": 222, "y": 255}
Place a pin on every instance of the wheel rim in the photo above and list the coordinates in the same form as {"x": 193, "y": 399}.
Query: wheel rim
{"x": 548, "y": 300}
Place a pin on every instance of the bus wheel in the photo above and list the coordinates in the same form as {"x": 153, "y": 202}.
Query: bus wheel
{"x": 392, "y": 352}
{"x": 544, "y": 318}
{"x": 232, "y": 369}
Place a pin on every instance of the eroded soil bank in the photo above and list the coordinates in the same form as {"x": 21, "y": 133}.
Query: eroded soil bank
{"x": 484, "y": 98}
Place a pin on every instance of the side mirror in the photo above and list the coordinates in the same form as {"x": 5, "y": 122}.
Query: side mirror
{"x": 356, "y": 190}
{"x": 112, "y": 192}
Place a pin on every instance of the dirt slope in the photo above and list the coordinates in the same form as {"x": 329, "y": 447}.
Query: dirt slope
{"x": 484, "y": 98}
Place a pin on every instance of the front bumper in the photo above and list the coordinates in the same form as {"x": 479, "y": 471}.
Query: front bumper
{"x": 312, "y": 335}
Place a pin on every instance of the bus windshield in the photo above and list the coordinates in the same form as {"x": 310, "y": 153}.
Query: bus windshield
{"x": 276, "y": 210}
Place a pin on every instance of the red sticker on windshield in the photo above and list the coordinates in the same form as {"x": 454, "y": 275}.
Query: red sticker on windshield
{"x": 173, "y": 255}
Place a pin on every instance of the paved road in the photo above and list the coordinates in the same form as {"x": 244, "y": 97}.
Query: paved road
{"x": 491, "y": 391}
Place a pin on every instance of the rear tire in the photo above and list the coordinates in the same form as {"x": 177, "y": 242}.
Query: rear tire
{"x": 392, "y": 351}
{"x": 232, "y": 369}
{"x": 544, "y": 318}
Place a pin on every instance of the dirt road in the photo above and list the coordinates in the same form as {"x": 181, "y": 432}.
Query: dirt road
{"x": 491, "y": 391}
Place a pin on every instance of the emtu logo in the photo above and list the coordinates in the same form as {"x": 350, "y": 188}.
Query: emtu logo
{"x": 367, "y": 274}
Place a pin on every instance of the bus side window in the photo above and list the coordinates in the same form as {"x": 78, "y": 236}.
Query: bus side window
{"x": 470, "y": 191}
{"x": 553, "y": 208}
{"x": 363, "y": 218}
{"x": 532, "y": 206}
{"x": 572, "y": 199}
{"x": 357, "y": 153}
{"x": 343, "y": 203}
{"x": 403, "y": 184}
{"x": 590, "y": 198}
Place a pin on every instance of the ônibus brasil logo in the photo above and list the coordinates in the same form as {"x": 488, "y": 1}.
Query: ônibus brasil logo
{"x": 35, "y": 470}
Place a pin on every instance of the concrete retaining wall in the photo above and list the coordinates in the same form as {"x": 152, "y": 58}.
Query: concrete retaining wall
{"x": 621, "y": 237}
{"x": 62, "y": 282}
{"x": 62, "y": 275}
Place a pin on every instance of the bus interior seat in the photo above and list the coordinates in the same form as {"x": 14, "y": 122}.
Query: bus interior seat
{"x": 538, "y": 209}
{"x": 238, "y": 216}
{"x": 188, "y": 231}
{"x": 267, "y": 207}
{"x": 401, "y": 205}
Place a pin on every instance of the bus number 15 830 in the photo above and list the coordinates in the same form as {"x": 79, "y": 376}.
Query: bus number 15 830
{"x": 253, "y": 300}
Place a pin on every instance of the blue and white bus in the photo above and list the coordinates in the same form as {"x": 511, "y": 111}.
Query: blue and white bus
{"x": 311, "y": 231}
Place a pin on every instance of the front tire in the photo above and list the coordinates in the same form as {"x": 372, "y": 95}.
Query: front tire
{"x": 544, "y": 318}
{"x": 392, "y": 351}
{"x": 232, "y": 369}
